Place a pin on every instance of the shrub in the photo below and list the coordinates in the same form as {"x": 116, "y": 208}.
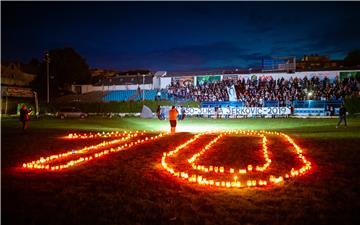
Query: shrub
{"x": 352, "y": 105}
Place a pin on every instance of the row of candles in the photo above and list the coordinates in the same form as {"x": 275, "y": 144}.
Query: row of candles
{"x": 235, "y": 182}
{"x": 92, "y": 152}
{"x": 221, "y": 169}
{"x": 103, "y": 134}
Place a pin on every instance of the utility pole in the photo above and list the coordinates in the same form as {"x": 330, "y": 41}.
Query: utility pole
{"x": 47, "y": 60}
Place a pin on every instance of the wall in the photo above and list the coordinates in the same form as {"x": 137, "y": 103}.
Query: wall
{"x": 91, "y": 88}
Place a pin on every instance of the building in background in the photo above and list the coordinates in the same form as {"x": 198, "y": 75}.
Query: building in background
{"x": 12, "y": 74}
{"x": 15, "y": 87}
{"x": 318, "y": 62}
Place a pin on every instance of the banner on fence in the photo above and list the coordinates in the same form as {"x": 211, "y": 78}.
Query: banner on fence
{"x": 200, "y": 80}
{"x": 231, "y": 111}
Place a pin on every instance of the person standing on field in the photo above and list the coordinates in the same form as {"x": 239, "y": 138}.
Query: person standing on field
{"x": 183, "y": 113}
{"x": 173, "y": 113}
{"x": 342, "y": 115}
{"x": 24, "y": 117}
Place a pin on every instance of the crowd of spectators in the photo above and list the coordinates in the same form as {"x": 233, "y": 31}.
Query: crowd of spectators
{"x": 255, "y": 92}
{"x": 208, "y": 91}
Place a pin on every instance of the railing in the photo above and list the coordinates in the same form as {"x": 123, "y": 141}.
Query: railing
{"x": 305, "y": 104}
{"x": 317, "y": 103}
{"x": 222, "y": 104}
{"x": 271, "y": 103}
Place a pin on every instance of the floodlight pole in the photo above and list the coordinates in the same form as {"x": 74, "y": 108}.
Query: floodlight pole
{"x": 143, "y": 98}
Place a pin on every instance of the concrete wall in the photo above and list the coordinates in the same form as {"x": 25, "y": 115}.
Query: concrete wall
{"x": 91, "y": 88}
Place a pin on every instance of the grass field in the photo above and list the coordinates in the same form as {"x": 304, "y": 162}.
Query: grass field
{"x": 130, "y": 187}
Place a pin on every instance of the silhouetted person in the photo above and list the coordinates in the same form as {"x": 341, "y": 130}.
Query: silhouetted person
{"x": 228, "y": 113}
{"x": 342, "y": 115}
{"x": 24, "y": 117}
{"x": 332, "y": 110}
{"x": 292, "y": 109}
{"x": 158, "y": 112}
{"x": 183, "y": 113}
{"x": 217, "y": 111}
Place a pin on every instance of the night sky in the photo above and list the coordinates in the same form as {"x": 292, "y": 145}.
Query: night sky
{"x": 179, "y": 35}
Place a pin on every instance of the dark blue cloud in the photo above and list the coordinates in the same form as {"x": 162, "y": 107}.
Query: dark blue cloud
{"x": 179, "y": 35}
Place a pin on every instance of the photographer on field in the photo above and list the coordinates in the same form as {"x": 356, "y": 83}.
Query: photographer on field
{"x": 25, "y": 117}
{"x": 342, "y": 115}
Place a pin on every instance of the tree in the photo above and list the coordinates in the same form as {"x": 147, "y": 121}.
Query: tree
{"x": 353, "y": 58}
{"x": 67, "y": 67}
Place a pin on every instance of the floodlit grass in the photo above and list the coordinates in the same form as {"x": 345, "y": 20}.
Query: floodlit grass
{"x": 315, "y": 128}
{"x": 130, "y": 187}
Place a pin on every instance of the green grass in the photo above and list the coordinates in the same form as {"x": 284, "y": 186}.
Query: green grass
{"x": 312, "y": 128}
{"x": 130, "y": 187}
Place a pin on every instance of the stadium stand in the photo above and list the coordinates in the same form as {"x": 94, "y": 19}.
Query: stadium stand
{"x": 269, "y": 92}
{"x": 320, "y": 94}
{"x": 149, "y": 94}
{"x": 122, "y": 95}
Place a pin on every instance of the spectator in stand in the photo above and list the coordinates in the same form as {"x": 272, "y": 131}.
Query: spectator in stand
{"x": 256, "y": 92}
{"x": 158, "y": 95}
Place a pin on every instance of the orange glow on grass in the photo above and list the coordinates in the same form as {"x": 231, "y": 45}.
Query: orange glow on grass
{"x": 195, "y": 177}
{"x": 51, "y": 163}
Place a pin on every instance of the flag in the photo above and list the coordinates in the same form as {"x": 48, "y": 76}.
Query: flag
{"x": 232, "y": 93}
